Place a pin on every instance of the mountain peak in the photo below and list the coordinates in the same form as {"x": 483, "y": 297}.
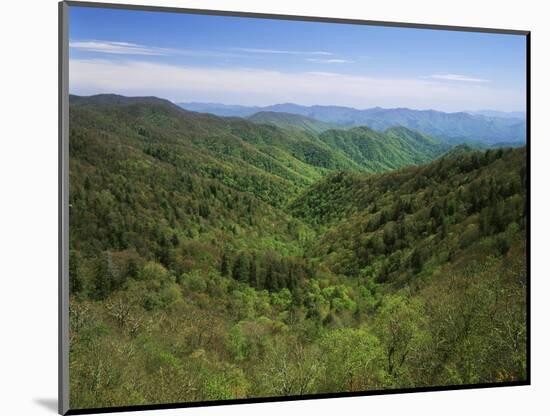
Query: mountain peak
{"x": 115, "y": 99}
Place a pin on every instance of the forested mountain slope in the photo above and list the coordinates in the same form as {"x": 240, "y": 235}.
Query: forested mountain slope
{"x": 263, "y": 159}
{"x": 396, "y": 147}
{"x": 389, "y": 226}
{"x": 213, "y": 258}
{"x": 237, "y": 154}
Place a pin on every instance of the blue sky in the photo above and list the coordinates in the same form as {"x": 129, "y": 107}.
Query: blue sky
{"x": 235, "y": 60}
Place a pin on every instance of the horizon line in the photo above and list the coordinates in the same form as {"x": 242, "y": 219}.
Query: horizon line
{"x": 179, "y": 103}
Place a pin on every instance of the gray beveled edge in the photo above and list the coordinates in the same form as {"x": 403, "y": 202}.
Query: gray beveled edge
{"x": 63, "y": 209}
{"x": 167, "y": 9}
{"x": 63, "y": 360}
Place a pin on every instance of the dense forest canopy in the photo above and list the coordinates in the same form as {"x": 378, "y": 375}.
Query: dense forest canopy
{"x": 218, "y": 258}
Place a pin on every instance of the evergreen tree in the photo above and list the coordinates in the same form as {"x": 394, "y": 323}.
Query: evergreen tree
{"x": 270, "y": 283}
{"x": 240, "y": 269}
{"x": 175, "y": 240}
{"x": 253, "y": 273}
{"x": 224, "y": 267}
{"x": 133, "y": 269}
{"x": 416, "y": 260}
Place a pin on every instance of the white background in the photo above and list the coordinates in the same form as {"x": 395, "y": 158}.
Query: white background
{"x": 28, "y": 205}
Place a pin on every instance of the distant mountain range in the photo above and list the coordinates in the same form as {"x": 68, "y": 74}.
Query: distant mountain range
{"x": 289, "y": 120}
{"x": 487, "y": 127}
{"x": 501, "y": 114}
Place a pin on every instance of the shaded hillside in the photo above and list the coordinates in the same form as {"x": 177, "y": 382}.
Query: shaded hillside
{"x": 392, "y": 226}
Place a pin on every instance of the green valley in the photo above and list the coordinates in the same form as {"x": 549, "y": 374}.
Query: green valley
{"x": 216, "y": 258}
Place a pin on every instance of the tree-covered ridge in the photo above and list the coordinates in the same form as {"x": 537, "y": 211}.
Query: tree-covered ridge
{"x": 212, "y": 258}
{"x": 248, "y": 157}
{"x": 342, "y": 194}
{"x": 289, "y": 120}
{"x": 396, "y": 223}
{"x": 194, "y": 144}
{"x": 378, "y": 152}
{"x": 483, "y": 127}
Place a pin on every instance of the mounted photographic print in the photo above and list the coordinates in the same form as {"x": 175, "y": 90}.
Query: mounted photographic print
{"x": 263, "y": 207}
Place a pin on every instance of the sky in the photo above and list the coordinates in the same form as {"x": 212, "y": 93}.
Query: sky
{"x": 251, "y": 61}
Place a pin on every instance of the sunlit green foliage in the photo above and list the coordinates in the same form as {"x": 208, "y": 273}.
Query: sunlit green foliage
{"x": 216, "y": 259}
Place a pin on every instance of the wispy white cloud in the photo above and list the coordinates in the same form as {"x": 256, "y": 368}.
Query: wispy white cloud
{"x": 127, "y": 48}
{"x": 262, "y": 87}
{"x": 330, "y": 61}
{"x": 456, "y": 77}
{"x": 283, "y": 52}
{"x": 118, "y": 48}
